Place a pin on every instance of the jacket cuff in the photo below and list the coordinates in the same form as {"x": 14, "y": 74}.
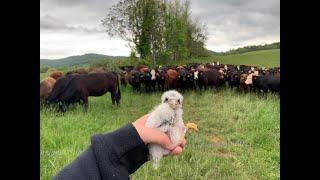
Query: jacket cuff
{"x": 122, "y": 147}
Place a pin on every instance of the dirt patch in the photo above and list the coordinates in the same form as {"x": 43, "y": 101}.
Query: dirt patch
{"x": 223, "y": 154}
{"x": 215, "y": 139}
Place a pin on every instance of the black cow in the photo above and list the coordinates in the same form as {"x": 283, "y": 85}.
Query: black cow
{"x": 134, "y": 80}
{"x": 233, "y": 78}
{"x": 190, "y": 81}
{"x": 209, "y": 78}
{"x": 182, "y": 78}
{"x": 266, "y": 82}
{"x": 160, "y": 78}
{"x": 149, "y": 81}
{"x": 59, "y": 88}
{"x": 80, "y": 87}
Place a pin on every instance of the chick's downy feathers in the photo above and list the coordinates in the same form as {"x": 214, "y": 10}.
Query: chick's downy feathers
{"x": 166, "y": 117}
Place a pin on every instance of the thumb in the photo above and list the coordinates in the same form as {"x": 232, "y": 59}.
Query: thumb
{"x": 158, "y": 137}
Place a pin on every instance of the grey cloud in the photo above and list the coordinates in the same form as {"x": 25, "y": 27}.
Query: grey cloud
{"x": 229, "y": 22}
{"x": 239, "y": 20}
{"x": 51, "y": 23}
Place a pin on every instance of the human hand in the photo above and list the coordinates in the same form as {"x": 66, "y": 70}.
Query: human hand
{"x": 151, "y": 135}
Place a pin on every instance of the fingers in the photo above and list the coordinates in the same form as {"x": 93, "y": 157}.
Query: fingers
{"x": 158, "y": 137}
{"x": 176, "y": 151}
{"x": 150, "y": 135}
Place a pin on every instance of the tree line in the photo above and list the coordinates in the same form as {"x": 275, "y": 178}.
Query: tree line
{"x": 157, "y": 30}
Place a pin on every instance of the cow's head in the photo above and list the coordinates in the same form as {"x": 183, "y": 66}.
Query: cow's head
{"x": 195, "y": 75}
{"x": 153, "y": 74}
{"x": 234, "y": 76}
{"x": 221, "y": 74}
{"x": 182, "y": 74}
{"x": 190, "y": 76}
{"x": 136, "y": 77}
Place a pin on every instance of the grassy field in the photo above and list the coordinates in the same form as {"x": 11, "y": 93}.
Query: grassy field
{"x": 238, "y": 138}
{"x": 263, "y": 58}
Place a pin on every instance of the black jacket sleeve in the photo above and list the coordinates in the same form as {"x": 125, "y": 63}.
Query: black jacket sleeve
{"x": 114, "y": 155}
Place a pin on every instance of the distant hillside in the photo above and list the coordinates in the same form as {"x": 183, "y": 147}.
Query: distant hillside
{"x": 76, "y": 60}
{"x": 263, "y": 58}
{"x": 246, "y": 49}
{"x": 210, "y": 52}
{"x": 91, "y": 58}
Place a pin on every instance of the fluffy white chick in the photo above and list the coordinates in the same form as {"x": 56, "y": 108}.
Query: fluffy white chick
{"x": 167, "y": 117}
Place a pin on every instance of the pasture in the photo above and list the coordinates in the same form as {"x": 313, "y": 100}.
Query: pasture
{"x": 238, "y": 138}
{"x": 263, "y": 58}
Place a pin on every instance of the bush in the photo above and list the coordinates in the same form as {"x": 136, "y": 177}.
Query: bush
{"x": 44, "y": 69}
{"x": 108, "y": 65}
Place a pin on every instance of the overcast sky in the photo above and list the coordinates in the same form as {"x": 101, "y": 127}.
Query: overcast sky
{"x": 73, "y": 27}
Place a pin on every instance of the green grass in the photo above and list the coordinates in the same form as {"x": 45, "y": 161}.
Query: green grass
{"x": 263, "y": 58}
{"x": 238, "y": 138}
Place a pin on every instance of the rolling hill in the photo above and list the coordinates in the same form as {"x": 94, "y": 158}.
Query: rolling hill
{"x": 76, "y": 60}
{"x": 262, "y": 55}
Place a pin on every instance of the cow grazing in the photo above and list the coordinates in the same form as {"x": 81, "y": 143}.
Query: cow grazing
{"x": 46, "y": 86}
{"x": 59, "y": 88}
{"x": 80, "y": 87}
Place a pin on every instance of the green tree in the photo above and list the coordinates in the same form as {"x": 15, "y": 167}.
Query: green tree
{"x": 156, "y": 29}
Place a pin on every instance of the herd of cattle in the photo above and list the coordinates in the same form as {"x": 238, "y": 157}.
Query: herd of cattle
{"x": 75, "y": 86}
{"x": 201, "y": 76}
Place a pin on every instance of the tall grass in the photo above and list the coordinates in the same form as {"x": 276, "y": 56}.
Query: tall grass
{"x": 238, "y": 134}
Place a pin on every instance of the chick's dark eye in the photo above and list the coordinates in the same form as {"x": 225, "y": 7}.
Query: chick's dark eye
{"x": 179, "y": 101}
{"x": 166, "y": 99}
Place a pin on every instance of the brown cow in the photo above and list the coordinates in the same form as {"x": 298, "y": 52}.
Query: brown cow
{"x": 141, "y": 67}
{"x": 243, "y": 79}
{"x": 80, "y": 87}
{"x": 144, "y": 70}
{"x": 46, "y": 87}
{"x": 56, "y": 74}
{"x": 171, "y": 79}
{"x": 201, "y": 68}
